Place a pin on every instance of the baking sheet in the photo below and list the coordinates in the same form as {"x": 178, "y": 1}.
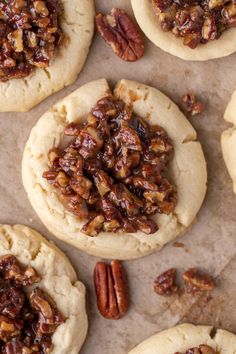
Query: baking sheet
{"x": 210, "y": 244}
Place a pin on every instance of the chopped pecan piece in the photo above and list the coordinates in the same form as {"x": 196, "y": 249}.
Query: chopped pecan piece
{"x": 192, "y": 105}
{"x": 110, "y": 210}
{"x": 124, "y": 199}
{"x": 129, "y": 138}
{"x": 76, "y": 205}
{"x": 111, "y": 226}
{"x": 164, "y": 197}
{"x": 11, "y": 300}
{"x": 72, "y": 129}
{"x": 103, "y": 182}
{"x": 147, "y": 226}
{"x": 196, "y": 282}
{"x": 125, "y": 163}
{"x": 11, "y": 270}
{"x": 159, "y": 145}
{"x": 49, "y": 316}
{"x": 129, "y": 226}
{"x": 165, "y": 283}
{"x": 119, "y": 31}
{"x": 91, "y": 142}
{"x": 8, "y": 328}
{"x": 143, "y": 183}
{"x": 93, "y": 226}
{"x": 68, "y": 162}
{"x": 82, "y": 186}
{"x": 111, "y": 289}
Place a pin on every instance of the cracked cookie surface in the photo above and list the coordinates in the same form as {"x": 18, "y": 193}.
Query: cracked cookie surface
{"x": 187, "y": 169}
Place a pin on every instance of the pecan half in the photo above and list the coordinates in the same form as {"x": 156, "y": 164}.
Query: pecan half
{"x": 119, "y": 31}
{"x": 111, "y": 289}
{"x": 196, "y": 282}
{"x": 165, "y": 283}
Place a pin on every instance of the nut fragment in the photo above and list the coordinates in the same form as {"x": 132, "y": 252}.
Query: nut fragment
{"x": 29, "y": 35}
{"x": 111, "y": 289}
{"x": 196, "y": 282}
{"x": 93, "y": 226}
{"x": 119, "y": 31}
{"x": 49, "y": 317}
{"x": 165, "y": 283}
{"x": 192, "y": 105}
{"x": 16, "y": 40}
{"x": 13, "y": 272}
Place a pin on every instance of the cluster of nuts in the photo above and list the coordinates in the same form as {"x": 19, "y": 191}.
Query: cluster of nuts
{"x": 202, "y": 349}
{"x": 113, "y": 171}
{"x": 28, "y": 319}
{"x": 29, "y": 34}
{"x": 196, "y": 21}
{"x": 195, "y": 282}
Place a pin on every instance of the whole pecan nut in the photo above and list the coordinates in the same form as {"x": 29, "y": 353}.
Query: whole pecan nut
{"x": 111, "y": 289}
{"x": 119, "y": 31}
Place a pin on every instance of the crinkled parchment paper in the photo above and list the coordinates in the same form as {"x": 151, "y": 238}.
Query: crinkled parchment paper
{"x": 210, "y": 244}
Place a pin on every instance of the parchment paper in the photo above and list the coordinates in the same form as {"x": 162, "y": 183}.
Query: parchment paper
{"x": 210, "y": 244}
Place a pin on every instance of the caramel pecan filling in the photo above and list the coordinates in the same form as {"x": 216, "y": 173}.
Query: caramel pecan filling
{"x": 28, "y": 319}
{"x": 202, "y": 349}
{"x": 196, "y": 21}
{"x": 29, "y": 34}
{"x": 113, "y": 172}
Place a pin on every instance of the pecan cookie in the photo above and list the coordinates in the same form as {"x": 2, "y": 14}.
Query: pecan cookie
{"x": 228, "y": 140}
{"x": 191, "y": 30}
{"x": 189, "y": 339}
{"x": 39, "y": 291}
{"x": 132, "y": 177}
{"x": 43, "y": 46}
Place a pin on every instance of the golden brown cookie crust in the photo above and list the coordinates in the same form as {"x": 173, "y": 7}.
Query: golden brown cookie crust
{"x": 187, "y": 169}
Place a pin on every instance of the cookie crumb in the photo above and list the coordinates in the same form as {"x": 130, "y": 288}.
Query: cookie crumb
{"x": 178, "y": 244}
